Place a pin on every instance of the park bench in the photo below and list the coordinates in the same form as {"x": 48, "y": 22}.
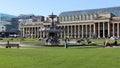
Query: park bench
{"x": 12, "y": 45}
{"x": 109, "y": 44}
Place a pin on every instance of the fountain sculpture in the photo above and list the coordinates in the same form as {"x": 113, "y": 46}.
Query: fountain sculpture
{"x": 52, "y": 32}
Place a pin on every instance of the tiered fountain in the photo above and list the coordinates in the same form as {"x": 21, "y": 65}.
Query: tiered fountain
{"x": 52, "y": 32}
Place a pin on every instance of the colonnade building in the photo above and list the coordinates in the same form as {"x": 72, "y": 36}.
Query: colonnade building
{"x": 103, "y": 22}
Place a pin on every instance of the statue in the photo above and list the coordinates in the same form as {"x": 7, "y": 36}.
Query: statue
{"x": 53, "y": 32}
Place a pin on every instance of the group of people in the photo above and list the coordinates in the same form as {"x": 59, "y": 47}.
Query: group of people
{"x": 106, "y": 43}
{"x": 52, "y": 41}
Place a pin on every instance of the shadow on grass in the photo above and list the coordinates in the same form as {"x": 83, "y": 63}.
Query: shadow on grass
{"x": 84, "y": 47}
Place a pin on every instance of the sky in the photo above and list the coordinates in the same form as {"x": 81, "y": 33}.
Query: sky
{"x": 46, "y": 7}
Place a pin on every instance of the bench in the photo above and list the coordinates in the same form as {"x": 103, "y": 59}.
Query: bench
{"x": 107, "y": 45}
{"x": 12, "y": 45}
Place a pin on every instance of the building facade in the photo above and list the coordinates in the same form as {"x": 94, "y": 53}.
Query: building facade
{"x": 99, "y": 23}
{"x": 27, "y": 18}
{"x": 6, "y": 24}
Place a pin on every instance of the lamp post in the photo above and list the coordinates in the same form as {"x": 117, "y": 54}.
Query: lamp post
{"x": 20, "y": 35}
{"x": 90, "y": 33}
{"x": 66, "y": 42}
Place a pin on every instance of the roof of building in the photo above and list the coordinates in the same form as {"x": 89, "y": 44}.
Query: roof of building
{"x": 6, "y": 17}
{"x": 113, "y": 10}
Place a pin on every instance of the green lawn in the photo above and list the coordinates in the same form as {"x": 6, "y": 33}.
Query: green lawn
{"x": 26, "y": 40}
{"x": 10, "y": 39}
{"x": 42, "y": 41}
{"x": 101, "y": 41}
{"x": 59, "y": 57}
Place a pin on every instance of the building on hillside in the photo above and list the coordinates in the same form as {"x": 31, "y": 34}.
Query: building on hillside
{"x": 13, "y": 27}
{"x": 6, "y": 24}
{"x": 92, "y": 23}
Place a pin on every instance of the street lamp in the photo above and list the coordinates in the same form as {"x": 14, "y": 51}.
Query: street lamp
{"x": 20, "y": 35}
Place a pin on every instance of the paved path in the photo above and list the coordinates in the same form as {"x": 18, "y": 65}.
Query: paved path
{"x": 10, "y": 42}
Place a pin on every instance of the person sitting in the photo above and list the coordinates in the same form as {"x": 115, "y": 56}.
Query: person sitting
{"x": 115, "y": 43}
{"x": 89, "y": 41}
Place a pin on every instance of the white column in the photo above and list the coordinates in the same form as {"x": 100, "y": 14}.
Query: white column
{"x": 90, "y": 31}
{"x": 40, "y": 33}
{"x": 98, "y": 29}
{"x": 79, "y": 17}
{"x": 118, "y": 30}
{"x": 78, "y": 31}
{"x": 68, "y": 30}
{"x": 29, "y": 32}
{"x": 108, "y": 29}
{"x": 35, "y": 32}
{"x": 74, "y": 31}
{"x": 94, "y": 29}
{"x": 65, "y": 32}
{"x": 113, "y": 30}
{"x": 23, "y": 34}
{"x": 71, "y": 31}
{"x": 82, "y": 31}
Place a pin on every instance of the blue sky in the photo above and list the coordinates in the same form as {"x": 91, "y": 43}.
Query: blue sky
{"x": 46, "y": 7}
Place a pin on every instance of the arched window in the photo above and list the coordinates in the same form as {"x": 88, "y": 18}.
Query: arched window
{"x": 74, "y": 18}
{"x": 70, "y": 18}
{"x": 84, "y": 17}
{"x": 88, "y": 17}
{"x": 60, "y": 18}
{"x": 67, "y": 18}
{"x": 79, "y": 17}
{"x": 92, "y": 16}
{"x": 64, "y": 18}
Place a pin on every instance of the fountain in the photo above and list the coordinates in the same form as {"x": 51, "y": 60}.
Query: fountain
{"x": 52, "y": 32}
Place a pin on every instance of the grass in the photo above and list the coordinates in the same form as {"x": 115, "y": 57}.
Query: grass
{"x": 42, "y": 41}
{"x": 35, "y": 40}
{"x": 26, "y": 40}
{"x": 101, "y": 41}
{"x": 10, "y": 39}
{"x": 59, "y": 57}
